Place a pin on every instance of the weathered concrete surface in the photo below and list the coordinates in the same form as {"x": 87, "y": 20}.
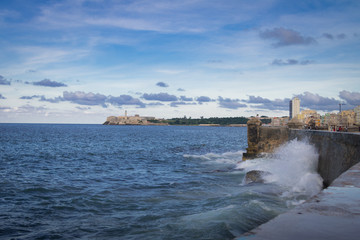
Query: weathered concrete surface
{"x": 338, "y": 151}
{"x": 271, "y": 138}
{"x": 334, "y": 214}
{"x": 253, "y": 133}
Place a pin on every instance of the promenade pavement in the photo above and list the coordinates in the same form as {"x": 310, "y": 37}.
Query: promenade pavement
{"x": 333, "y": 214}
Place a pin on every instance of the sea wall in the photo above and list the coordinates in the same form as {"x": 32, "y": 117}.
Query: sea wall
{"x": 338, "y": 151}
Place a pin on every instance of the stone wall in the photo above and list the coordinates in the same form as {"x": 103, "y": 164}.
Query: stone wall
{"x": 338, "y": 151}
{"x": 253, "y": 136}
{"x": 272, "y": 137}
{"x": 263, "y": 139}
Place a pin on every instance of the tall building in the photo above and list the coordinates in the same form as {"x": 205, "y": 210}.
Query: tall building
{"x": 357, "y": 115}
{"x": 294, "y": 108}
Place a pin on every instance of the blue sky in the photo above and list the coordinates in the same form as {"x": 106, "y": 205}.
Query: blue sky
{"x": 80, "y": 61}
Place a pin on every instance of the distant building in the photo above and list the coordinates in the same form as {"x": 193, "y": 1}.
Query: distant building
{"x": 282, "y": 121}
{"x": 275, "y": 122}
{"x": 331, "y": 120}
{"x": 307, "y": 115}
{"x": 347, "y": 118}
{"x": 128, "y": 120}
{"x": 357, "y": 115}
{"x": 294, "y": 108}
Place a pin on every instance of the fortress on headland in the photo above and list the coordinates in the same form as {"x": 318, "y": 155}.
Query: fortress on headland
{"x": 128, "y": 120}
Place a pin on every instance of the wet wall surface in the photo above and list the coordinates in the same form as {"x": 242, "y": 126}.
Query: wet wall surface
{"x": 338, "y": 151}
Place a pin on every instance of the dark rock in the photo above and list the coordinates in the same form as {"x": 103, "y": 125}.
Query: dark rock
{"x": 256, "y": 176}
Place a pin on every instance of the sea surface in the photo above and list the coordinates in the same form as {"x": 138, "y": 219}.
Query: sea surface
{"x": 143, "y": 182}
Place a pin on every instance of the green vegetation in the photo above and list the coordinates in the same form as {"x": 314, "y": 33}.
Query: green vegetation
{"x": 266, "y": 120}
{"x": 214, "y": 120}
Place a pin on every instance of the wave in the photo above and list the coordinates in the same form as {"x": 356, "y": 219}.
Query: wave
{"x": 292, "y": 166}
{"x": 223, "y": 158}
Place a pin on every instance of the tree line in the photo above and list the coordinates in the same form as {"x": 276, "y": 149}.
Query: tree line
{"x": 213, "y": 120}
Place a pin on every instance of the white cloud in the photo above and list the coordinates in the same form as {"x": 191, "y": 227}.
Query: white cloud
{"x": 33, "y": 56}
{"x": 352, "y": 98}
{"x": 160, "y": 16}
{"x": 169, "y": 71}
{"x": 286, "y": 37}
{"x": 207, "y": 47}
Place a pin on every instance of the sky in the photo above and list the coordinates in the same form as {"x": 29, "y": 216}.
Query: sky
{"x": 79, "y": 61}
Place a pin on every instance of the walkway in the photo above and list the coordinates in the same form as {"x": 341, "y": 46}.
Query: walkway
{"x": 332, "y": 214}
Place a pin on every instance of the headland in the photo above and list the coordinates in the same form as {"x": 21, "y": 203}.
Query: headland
{"x": 184, "y": 121}
{"x": 130, "y": 120}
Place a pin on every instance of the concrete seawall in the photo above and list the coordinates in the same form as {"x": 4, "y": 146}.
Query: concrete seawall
{"x": 332, "y": 214}
{"x": 338, "y": 151}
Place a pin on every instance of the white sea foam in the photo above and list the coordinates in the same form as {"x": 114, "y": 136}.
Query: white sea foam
{"x": 292, "y": 166}
{"x": 223, "y": 158}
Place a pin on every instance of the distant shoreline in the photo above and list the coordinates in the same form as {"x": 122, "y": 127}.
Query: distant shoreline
{"x": 213, "y": 121}
{"x": 97, "y": 124}
{"x": 189, "y": 125}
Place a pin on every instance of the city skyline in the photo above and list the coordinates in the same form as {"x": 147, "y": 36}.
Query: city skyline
{"x": 83, "y": 60}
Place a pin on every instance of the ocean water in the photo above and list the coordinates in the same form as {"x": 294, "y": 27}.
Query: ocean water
{"x": 143, "y": 182}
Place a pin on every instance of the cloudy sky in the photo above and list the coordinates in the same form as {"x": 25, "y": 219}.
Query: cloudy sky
{"x": 79, "y": 61}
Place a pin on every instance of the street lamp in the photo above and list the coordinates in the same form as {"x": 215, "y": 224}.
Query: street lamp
{"x": 340, "y": 104}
